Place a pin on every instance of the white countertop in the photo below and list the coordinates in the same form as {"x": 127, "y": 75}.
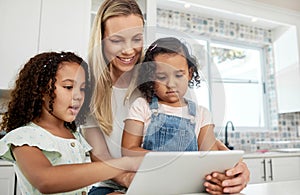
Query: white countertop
{"x": 271, "y": 188}
{"x": 270, "y": 154}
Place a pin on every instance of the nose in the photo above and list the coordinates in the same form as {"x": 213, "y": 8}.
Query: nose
{"x": 171, "y": 82}
{"x": 78, "y": 94}
{"x": 127, "y": 48}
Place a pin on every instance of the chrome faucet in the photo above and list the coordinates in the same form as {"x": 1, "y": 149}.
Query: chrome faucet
{"x": 226, "y": 134}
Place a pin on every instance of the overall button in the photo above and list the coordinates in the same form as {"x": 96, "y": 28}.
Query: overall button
{"x": 73, "y": 144}
{"x": 83, "y": 193}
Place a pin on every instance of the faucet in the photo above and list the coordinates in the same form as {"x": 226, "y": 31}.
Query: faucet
{"x": 226, "y": 134}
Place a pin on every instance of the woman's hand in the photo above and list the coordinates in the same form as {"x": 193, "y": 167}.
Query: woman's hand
{"x": 234, "y": 181}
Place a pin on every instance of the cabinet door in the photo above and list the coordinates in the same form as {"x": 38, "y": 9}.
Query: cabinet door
{"x": 257, "y": 170}
{"x": 65, "y": 25}
{"x": 7, "y": 180}
{"x": 19, "y": 35}
{"x": 286, "y": 168}
{"x": 287, "y": 66}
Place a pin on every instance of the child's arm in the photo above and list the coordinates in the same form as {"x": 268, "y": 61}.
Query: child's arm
{"x": 62, "y": 178}
{"x": 100, "y": 152}
{"x": 132, "y": 138}
{"x": 207, "y": 139}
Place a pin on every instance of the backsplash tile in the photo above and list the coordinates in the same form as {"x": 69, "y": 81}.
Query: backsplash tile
{"x": 285, "y": 137}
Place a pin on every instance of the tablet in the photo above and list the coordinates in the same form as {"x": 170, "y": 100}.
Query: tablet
{"x": 169, "y": 173}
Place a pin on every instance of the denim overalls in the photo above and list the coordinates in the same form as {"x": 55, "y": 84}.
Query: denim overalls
{"x": 171, "y": 133}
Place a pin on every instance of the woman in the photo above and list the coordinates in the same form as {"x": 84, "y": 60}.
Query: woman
{"x": 115, "y": 48}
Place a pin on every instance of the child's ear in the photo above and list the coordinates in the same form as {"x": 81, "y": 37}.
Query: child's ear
{"x": 191, "y": 70}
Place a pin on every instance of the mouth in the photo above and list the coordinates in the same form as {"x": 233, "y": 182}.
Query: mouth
{"x": 127, "y": 60}
{"x": 74, "y": 109}
{"x": 172, "y": 92}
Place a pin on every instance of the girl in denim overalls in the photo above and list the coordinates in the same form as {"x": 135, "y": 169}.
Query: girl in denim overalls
{"x": 163, "y": 120}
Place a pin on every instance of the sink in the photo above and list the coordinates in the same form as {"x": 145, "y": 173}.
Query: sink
{"x": 287, "y": 150}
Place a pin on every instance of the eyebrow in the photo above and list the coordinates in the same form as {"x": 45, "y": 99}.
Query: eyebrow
{"x": 177, "y": 71}
{"x": 139, "y": 34}
{"x": 121, "y": 36}
{"x": 68, "y": 80}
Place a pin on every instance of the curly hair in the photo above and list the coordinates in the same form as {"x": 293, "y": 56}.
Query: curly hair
{"x": 36, "y": 79}
{"x": 169, "y": 45}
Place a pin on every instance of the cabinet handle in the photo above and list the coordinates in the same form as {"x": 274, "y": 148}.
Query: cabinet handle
{"x": 271, "y": 170}
{"x": 264, "y": 177}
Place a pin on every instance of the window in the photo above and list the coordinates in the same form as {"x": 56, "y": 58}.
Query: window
{"x": 239, "y": 74}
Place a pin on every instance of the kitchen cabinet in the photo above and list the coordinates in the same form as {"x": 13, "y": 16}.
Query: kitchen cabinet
{"x": 65, "y": 25}
{"x": 287, "y": 71}
{"x": 269, "y": 169}
{"x": 19, "y": 36}
{"x": 7, "y": 179}
{"x": 33, "y": 26}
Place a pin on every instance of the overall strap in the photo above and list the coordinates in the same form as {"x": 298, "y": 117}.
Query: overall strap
{"x": 191, "y": 107}
{"x": 154, "y": 103}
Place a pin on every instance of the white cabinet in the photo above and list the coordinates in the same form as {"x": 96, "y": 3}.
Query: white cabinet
{"x": 65, "y": 25}
{"x": 19, "y": 36}
{"x": 286, "y": 168}
{"x": 273, "y": 169}
{"x": 287, "y": 65}
{"x": 7, "y": 180}
{"x": 33, "y": 26}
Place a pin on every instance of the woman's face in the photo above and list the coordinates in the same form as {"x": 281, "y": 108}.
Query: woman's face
{"x": 123, "y": 42}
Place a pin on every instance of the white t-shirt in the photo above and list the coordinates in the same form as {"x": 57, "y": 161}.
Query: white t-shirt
{"x": 141, "y": 111}
{"x": 119, "y": 111}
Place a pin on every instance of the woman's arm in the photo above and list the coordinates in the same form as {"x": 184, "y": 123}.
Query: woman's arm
{"x": 95, "y": 138}
{"x": 62, "y": 178}
{"x": 132, "y": 138}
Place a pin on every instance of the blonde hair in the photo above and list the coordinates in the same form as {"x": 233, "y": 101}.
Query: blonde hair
{"x": 100, "y": 105}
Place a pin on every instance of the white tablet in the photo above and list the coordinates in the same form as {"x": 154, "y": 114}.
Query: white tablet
{"x": 169, "y": 173}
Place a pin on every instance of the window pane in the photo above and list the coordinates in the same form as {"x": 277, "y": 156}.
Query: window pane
{"x": 237, "y": 74}
{"x": 243, "y": 104}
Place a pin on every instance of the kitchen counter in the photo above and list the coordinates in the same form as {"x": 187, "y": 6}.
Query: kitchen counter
{"x": 271, "y": 188}
{"x": 270, "y": 154}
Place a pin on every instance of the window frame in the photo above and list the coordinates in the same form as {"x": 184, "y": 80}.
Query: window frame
{"x": 263, "y": 80}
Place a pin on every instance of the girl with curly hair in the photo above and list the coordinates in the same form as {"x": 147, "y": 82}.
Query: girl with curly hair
{"x": 163, "y": 117}
{"x": 50, "y": 99}
{"x": 164, "y": 120}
